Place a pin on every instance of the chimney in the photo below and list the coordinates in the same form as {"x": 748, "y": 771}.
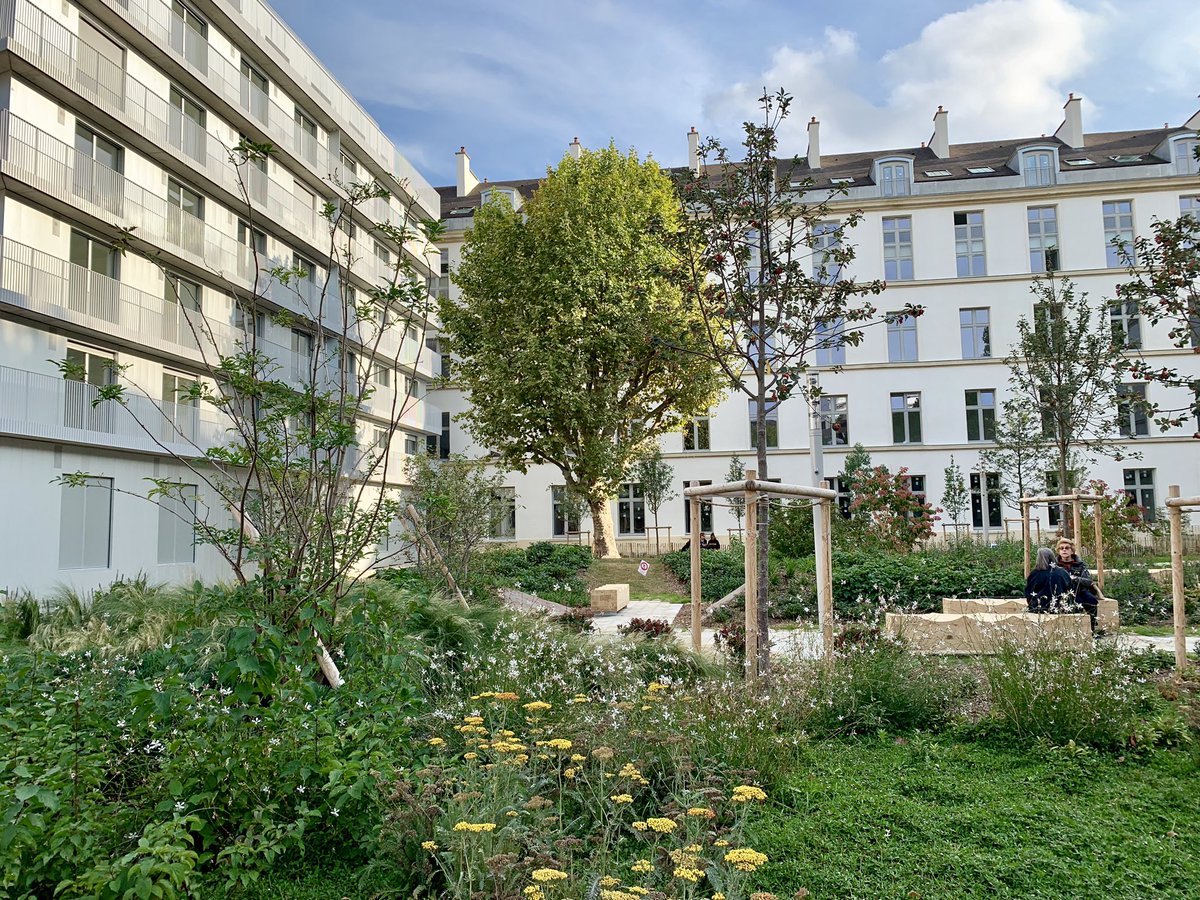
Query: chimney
{"x": 814, "y": 143}
{"x": 575, "y": 148}
{"x": 1070, "y": 132}
{"x": 939, "y": 141}
{"x": 694, "y": 150}
{"x": 466, "y": 178}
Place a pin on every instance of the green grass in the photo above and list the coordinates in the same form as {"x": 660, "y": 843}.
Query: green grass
{"x": 940, "y": 819}
{"x": 658, "y": 584}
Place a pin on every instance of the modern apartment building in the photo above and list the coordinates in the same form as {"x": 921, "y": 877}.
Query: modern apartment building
{"x": 116, "y": 118}
{"x": 960, "y": 229}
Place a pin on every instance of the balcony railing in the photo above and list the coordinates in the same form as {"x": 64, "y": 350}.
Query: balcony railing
{"x": 55, "y": 408}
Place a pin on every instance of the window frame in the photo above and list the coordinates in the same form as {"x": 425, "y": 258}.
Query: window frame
{"x": 631, "y": 500}
{"x": 898, "y": 252}
{"x": 899, "y": 331}
{"x": 906, "y": 412}
{"x": 994, "y": 499}
{"x": 1048, "y": 242}
{"x": 834, "y": 410}
{"x": 172, "y": 522}
{"x": 978, "y": 415}
{"x": 1117, "y": 216}
{"x": 1138, "y": 489}
{"x": 965, "y": 241}
{"x": 885, "y": 176}
{"x": 772, "y": 411}
{"x": 697, "y": 434}
{"x": 978, "y": 334}
{"x": 1132, "y": 419}
{"x": 1039, "y": 175}
{"x": 88, "y": 555}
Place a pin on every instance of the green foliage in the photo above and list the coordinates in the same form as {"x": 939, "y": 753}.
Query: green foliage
{"x": 657, "y": 479}
{"x": 1020, "y": 452}
{"x": 791, "y": 529}
{"x": 575, "y": 293}
{"x": 549, "y": 570}
{"x": 1120, "y": 520}
{"x": 737, "y": 502}
{"x": 1063, "y": 693}
{"x": 721, "y": 571}
{"x": 1143, "y": 600}
{"x": 897, "y": 518}
{"x": 954, "y": 496}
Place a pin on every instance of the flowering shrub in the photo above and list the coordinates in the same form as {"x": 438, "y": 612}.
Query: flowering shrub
{"x": 552, "y": 571}
{"x": 899, "y": 519}
{"x": 654, "y": 628}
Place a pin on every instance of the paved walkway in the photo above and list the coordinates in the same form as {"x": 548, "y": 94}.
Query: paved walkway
{"x": 610, "y": 623}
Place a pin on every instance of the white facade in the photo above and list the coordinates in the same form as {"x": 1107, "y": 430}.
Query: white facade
{"x": 1153, "y": 179}
{"x": 118, "y": 115}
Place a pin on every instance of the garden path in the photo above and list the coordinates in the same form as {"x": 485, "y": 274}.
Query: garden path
{"x": 610, "y": 623}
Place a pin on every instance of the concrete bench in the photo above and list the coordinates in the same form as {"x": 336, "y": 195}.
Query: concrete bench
{"x": 970, "y": 634}
{"x": 610, "y": 597}
{"x": 984, "y": 605}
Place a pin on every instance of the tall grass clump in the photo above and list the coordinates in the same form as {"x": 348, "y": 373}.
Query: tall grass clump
{"x": 1062, "y": 692}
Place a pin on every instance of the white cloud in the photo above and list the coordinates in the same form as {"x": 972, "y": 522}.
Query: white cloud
{"x": 1002, "y": 68}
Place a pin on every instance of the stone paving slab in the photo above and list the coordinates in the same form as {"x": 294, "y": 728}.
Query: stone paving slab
{"x": 609, "y": 623}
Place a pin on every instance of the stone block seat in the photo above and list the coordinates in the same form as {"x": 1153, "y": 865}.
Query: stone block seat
{"x": 610, "y": 598}
{"x": 976, "y": 633}
{"x": 1108, "y": 617}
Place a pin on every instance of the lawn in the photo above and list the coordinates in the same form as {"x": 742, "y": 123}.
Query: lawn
{"x": 932, "y": 817}
{"x": 658, "y": 584}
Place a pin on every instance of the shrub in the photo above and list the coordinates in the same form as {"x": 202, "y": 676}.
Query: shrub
{"x": 1090, "y": 695}
{"x": 653, "y": 628}
{"x": 791, "y": 529}
{"x": 1140, "y": 599}
{"x": 551, "y": 571}
{"x": 721, "y": 571}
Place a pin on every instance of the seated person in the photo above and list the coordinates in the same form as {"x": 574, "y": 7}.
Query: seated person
{"x": 711, "y": 542}
{"x": 1083, "y": 588}
{"x": 1046, "y": 583}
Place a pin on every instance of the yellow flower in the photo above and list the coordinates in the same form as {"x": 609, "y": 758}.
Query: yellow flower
{"x": 642, "y": 866}
{"x": 473, "y": 720}
{"x": 547, "y": 875}
{"x": 569, "y": 773}
{"x": 744, "y": 859}
{"x": 436, "y": 742}
{"x": 629, "y": 770}
{"x": 638, "y": 891}
{"x": 609, "y": 881}
{"x": 533, "y": 892}
{"x": 429, "y": 845}
{"x": 475, "y": 827}
{"x": 692, "y": 848}
{"x": 721, "y": 843}
{"x": 718, "y": 896}
{"x": 662, "y": 826}
{"x": 507, "y": 695}
{"x": 701, "y": 812}
{"x": 577, "y": 757}
{"x": 512, "y": 814}
{"x": 640, "y": 826}
{"x": 687, "y": 874}
{"x": 537, "y": 706}
{"x": 656, "y": 686}
{"x": 558, "y": 744}
{"x": 621, "y": 798}
{"x": 471, "y": 755}
{"x": 631, "y": 894}
{"x": 744, "y": 793}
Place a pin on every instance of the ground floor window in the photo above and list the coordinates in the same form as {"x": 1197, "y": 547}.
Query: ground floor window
{"x": 566, "y": 520}
{"x": 988, "y": 498}
{"x": 85, "y": 527}
{"x": 631, "y": 509}
{"x": 706, "y": 510}
{"x": 1139, "y": 488}
{"x": 177, "y": 526}
{"x": 506, "y": 521}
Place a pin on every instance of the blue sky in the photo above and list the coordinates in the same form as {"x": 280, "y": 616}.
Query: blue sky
{"x": 515, "y": 80}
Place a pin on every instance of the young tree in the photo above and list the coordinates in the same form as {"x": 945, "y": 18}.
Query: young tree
{"x": 768, "y": 279}
{"x": 289, "y": 450}
{"x": 737, "y": 504}
{"x": 1020, "y": 452}
{"x": 655, "y": 475}
{"x": 1067, "y": 364}
{"x": 856, "y": 469}
{"x": 457, "y": 499}
{"x": 899, "y": 519}
{"x": 1164, "y": 285}
{"x": 572, "y": 338}
{"x": 954, "y": 496}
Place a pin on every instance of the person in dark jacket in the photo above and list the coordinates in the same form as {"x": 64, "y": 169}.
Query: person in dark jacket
{"x": 1083, "y": 588}
{"x": 1046, "y": 583}
{"x": 710, "y": 542}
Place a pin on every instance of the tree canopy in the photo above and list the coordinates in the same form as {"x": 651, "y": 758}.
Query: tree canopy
{"x": 571, "y": 334}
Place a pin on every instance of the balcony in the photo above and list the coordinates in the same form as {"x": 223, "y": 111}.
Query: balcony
{"x": 58, "y": 409}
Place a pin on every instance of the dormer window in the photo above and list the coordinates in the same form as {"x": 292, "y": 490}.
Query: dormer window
{"x": 895, "y": 178}
{"x": 1039, "y": 167}
{"x": 485, "y": 196}
{"x": 1183, "y": 154}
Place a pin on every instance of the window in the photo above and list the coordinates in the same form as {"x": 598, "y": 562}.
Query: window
{"x": 631, "y": 509}
{"x": 383, "y": 254}
{"x": 1053, "y": 510}
{"x": 752, "y": 348}
{"x": 306, "y": 267}
{"x": 1126, "y": 323}
{"x": 894, "y": 179}
{"x": 1190, "y": 206}
{"x": 902, "y": 338}
{"x": 506, "y": 520}
{"x": 92, "y": 255}
{"x": 565, "y": 521}
{"x": 179, "y": 405}
{"x": 696, "y": 434}
{"x": 441, "y": 284}
{"x": 303, "y": 345}
{"x": 1139, "y": 489}
{"x": 844, "y": 497}
{"x": 185, "y": 217}
{"x": 381, "y": 375}
{"x": 306, "y": 134}
{"x": 974, "y": 327}
{"x": 988, "y": 497}
{"x": 1183, "y": 154}
{"x": 251, "y": 238}
{"x": 968, "y": 244}
{"x": 1038, "y": 166}
{"x": 189, "y": 34}
{"x": 411, "y": 445}
{"x": 437, "y": 445}
{"x": 706, "y": 509}
{"x": 100, "y": 62}
{"x": 181, "y": 292}
{"x": 85, "y": 527}
{"x": 897, "y": 248}
{"x": 1118, "y": 231}
{"x": 249, "y": 322}
{"x": 186, "y": 125}
{"x": 97, "y": 169}
{"x": 349, "y": 167}
{"x": 916, "y": 484}
{"x": 906, "y": 418}
{"x": 827, "y": 237}
{"x": 834, "y": 411}
{"x": 87, "y": 370}
{"x": 256, "y": 91}
{"x": 772, "y": 425}
{"x": 1043, "y": 239}
{"x": 177, "y": 526}
{"x": 981, "y": 415}
{"x": 831, "y": 346}
{"x": 508, "y": 193}
{"x": 1132, "y": 420}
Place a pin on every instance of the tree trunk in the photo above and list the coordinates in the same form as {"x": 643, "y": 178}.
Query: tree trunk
{"x": 604, "y": 538}
{"x": 763, "y": 523}
{"x": 1065, "y": 522}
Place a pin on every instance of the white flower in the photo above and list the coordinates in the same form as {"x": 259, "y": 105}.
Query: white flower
{"x": 336, "y": 812}
{"x": 180, "y": 806}
{"x": 300, "y": 789}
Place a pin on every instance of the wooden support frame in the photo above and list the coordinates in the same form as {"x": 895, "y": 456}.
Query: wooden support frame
{"x": 1175, "y": 507}
{"x": 754, "y": 491}
{"x": 1077, "y": 502}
